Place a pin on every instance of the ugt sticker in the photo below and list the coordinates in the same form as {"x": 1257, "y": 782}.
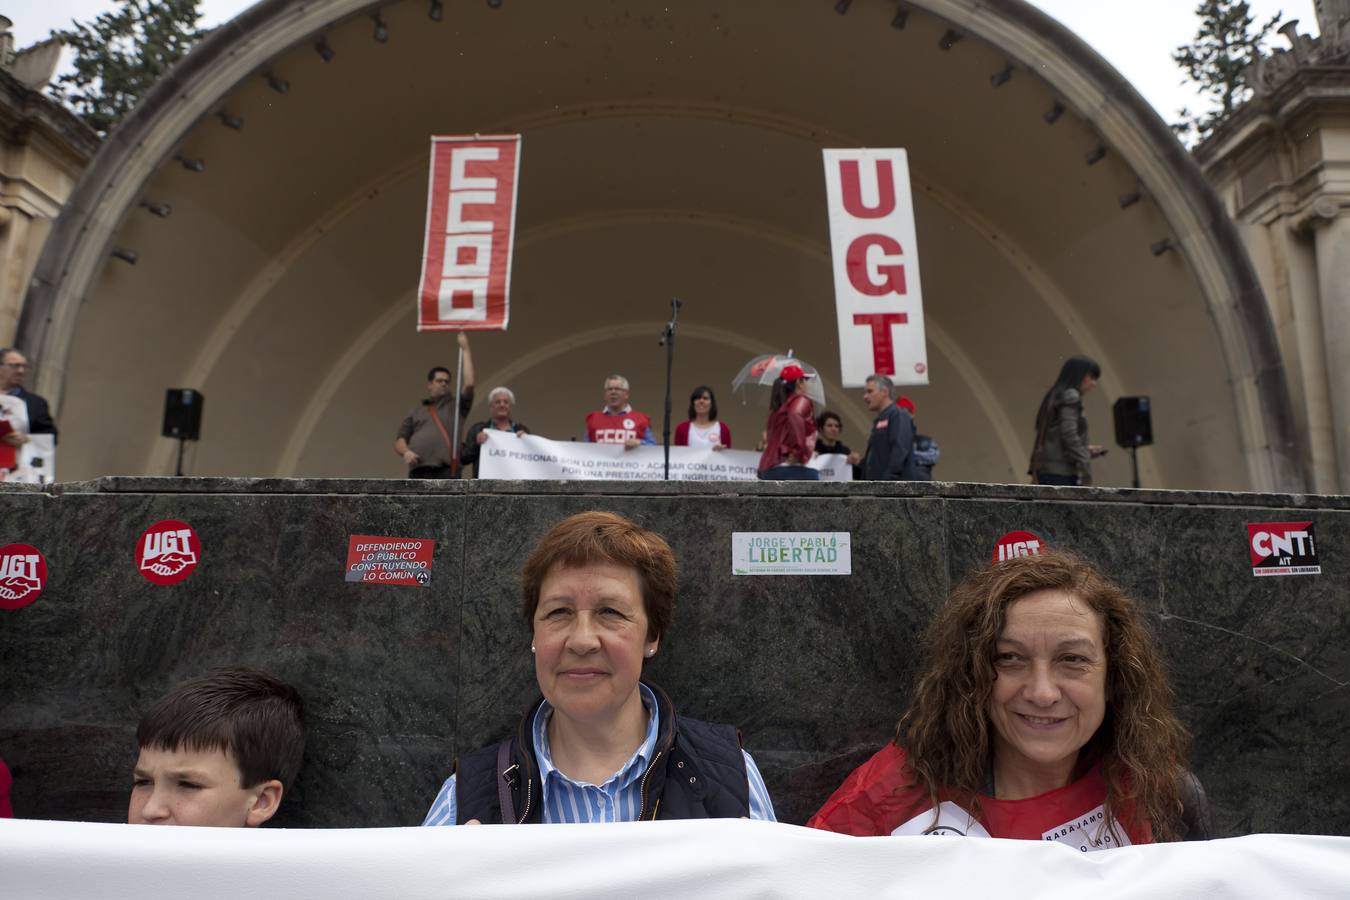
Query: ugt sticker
{"x": 23, "y": 575}
{"x": 1283, "y": 548}
{"x": 168, "y": 552}
{"x": 1017, "y": 543}
{"x": 389, "y": 560}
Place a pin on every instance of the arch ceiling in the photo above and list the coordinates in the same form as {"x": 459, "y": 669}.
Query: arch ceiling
{"x": 668, "y": 149}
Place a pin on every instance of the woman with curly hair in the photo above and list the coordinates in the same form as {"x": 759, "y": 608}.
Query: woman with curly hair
{"x": 1042, "y": 711}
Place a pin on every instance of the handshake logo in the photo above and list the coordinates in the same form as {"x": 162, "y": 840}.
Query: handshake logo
{"x": 23, "y": 575}
{"x": 167, "y": 552}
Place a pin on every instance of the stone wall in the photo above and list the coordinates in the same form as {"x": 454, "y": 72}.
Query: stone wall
{"x": 813, "y": 669}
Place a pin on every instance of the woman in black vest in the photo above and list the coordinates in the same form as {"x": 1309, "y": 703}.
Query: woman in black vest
{"x": 601, "y": 745}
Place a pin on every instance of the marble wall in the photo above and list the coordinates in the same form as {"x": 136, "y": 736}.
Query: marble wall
{"x": 813, "y": 669}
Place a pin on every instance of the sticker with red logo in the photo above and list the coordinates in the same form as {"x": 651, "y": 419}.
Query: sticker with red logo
{"x": 23, "y": 575}
{"x": 1283, "y": 548}
{"x": 1017, "y": 543}
{"x": 389, "y": 560}
{"x": 168, "y": 552}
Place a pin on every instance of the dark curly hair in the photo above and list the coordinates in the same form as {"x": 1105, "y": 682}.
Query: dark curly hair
{"x": 1140, "y": 745}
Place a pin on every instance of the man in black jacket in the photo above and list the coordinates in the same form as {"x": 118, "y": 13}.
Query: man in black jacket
{"x": 890, "y": 448}
{"x": 14, "y": 368}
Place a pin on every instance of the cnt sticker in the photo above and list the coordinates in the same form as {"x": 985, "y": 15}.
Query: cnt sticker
{"x": 23, "y": 575}
{"x": 1283, "y": 548}
{"x": 389, "y": 560}
{"x": 1017, "y": 543}
{"x": 168, "y": 552}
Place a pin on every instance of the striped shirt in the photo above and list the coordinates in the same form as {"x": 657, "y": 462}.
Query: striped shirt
{"x": 617, "y": 800}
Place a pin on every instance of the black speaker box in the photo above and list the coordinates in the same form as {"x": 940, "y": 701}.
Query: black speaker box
{"x": 183, "y": 413}
{"x": 1134, "y": 422}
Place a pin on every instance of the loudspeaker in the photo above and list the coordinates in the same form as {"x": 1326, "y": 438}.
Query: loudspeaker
{"x": 1134, "y": 422}
{"x": 183, "y": 413}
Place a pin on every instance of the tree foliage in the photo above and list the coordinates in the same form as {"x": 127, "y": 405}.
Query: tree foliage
{"x": 1228, "y": 41}
{"x": 121, "y": 53}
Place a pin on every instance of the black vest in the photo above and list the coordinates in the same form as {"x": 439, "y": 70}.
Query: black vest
{"x": 697, "y": 772}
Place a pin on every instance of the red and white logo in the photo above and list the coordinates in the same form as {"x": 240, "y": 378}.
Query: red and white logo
{"x": 168, "y": 552}
{"x": 23, "y": 575}
{"x": 471, "y": 225}
{"x": 629, "y": 424}
{"x": 1283, "y": 548}
{"x": 1017, "y": 543}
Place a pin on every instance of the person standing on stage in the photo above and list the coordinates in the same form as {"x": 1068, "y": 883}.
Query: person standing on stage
{"x": 890, "y": 448}
{"x": 424, "y": 440}
{"x": 1061, "y": 454}
{"x": 790, "y": 436}
{"x": 702, "y": 429}
{"x": 14, "y": 369}
{"x": 618, "y": 422}
{"x": 501, "y": 401}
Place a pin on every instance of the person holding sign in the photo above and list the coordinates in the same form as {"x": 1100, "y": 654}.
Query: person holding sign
{"x": 602, "y": 744}
{"x": 790, "y": 436}
{"x": 424, "y": 440}
{"x": 703, "y": 429}
{"x": 501, "y": 401}
{"x": 1041, "y": 711}
{"x": 618, "y": 422}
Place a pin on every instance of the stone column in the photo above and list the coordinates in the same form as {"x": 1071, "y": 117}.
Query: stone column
{"x": 1333, "y": 282}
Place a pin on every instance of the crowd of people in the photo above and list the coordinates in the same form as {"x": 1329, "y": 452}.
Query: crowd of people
{"x": 1041, "y": 710}
{"x": 793, "y": 435}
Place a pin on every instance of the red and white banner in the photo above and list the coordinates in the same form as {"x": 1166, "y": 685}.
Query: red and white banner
{"x": 876, "y": 266}
{"x": 471, "y": 228}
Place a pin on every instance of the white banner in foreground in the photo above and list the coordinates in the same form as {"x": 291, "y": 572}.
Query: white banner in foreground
{"x": 529, "y": 457}
{"x": 705, "y": 859}
{"x": 875, "y": 256}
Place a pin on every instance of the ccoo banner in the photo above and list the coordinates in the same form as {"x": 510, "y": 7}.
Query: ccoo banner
{"x": 876, "y": 266}
{"x": 471, "y": 224}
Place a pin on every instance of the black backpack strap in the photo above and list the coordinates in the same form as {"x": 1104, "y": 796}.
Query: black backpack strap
{"x": 504, "y": 765}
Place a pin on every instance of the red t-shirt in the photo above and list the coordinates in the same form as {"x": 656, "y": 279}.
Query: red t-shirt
{"x": 5, "y": 781}
{"x": 878, "y": 798}
{"x": 603, "y": 428}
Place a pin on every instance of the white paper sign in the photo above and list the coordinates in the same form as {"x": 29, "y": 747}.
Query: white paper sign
{"x": 875, "y": 253}
{"x": 791, "y": 553}
{"x": 506, "y": 455}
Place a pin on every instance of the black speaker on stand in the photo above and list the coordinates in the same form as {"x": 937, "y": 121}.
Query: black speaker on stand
{"x": 1134, "y": 427}
{"x": 182, "y": 419}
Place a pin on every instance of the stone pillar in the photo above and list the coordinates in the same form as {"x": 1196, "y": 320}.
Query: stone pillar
{"x": 1333, "y": 281}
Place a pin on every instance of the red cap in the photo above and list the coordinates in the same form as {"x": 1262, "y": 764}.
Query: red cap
{"x": 794, "y": 373}
{"x": 905, "y": 403}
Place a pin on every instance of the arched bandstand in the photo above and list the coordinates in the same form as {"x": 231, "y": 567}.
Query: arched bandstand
{"x": 667, "y": 149}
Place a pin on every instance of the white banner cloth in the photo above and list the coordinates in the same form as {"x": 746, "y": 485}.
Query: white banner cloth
{"x": 705, "y": 859}
{"x": 875, "y": 257}
{"x": 506, "y": 455}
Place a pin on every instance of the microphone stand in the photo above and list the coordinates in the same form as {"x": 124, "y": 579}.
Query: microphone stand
{"x": 668, "y": 341}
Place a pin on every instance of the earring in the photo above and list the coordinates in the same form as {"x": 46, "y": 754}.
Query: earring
{"x": 532, "y": 648}
{"x": 651, "y": 652}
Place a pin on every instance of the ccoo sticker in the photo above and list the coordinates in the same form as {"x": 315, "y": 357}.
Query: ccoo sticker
{"x": 1017, "y": 543}
{"x": 23, "y": 575}
{"x": 168, "y": 552}
{"x": 1283, "y": 548}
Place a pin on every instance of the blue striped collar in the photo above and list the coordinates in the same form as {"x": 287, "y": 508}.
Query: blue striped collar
{"x": 627, "y": 774}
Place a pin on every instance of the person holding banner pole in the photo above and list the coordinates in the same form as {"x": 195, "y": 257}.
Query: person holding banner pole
{"x": 424, "y": 439}
{"x": 790, "y": 436}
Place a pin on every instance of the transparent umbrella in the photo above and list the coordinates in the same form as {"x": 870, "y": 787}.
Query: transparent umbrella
{"x": 764, "y": 370}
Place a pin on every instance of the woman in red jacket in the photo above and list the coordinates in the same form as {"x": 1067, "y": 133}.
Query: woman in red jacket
{"x": 1042, "y": 712}
{"x": 790, "y": 436}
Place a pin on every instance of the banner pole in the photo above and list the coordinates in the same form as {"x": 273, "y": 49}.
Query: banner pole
{"x": 454, "y": 442}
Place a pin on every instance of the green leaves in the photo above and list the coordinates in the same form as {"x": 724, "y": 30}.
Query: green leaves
{"x": 1227, "y": 42}
{"x": 121, "y": 53}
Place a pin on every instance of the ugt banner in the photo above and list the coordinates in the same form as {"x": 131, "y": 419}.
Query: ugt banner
{"x": 876, "y": 266}
{"x": 471, "y": 225}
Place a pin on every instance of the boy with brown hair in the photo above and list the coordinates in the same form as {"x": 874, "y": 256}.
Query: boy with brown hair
{"x": 219, "y": 749}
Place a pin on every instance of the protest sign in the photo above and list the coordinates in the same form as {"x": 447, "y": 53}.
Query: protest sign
{"x": 876, "y": 266}
{"x": 471, "y": 222}
{"x": 507, "y": 455}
